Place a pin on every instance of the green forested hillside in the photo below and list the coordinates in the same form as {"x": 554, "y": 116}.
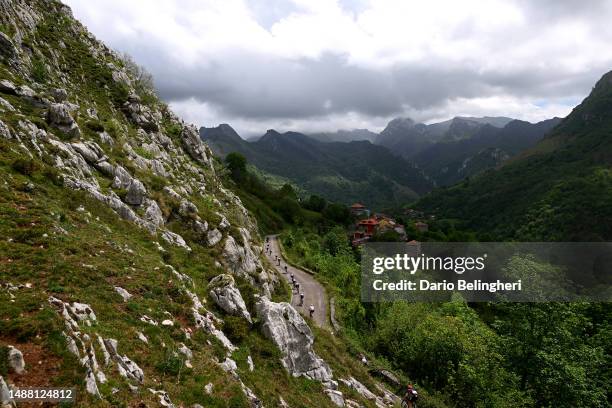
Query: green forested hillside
{"x": 561, "y": 189}
{"x": 341, "y": 172}
{"x": 448, "y": 162}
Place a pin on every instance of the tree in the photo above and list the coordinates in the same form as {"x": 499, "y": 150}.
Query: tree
{"x": 288, "y": 191}
{"x": 548, "y": 344}
{"x": 236, "y": 163}
{"x": 338, "y": 213}
{"x": 315, "y": 203}
{"x": 335, "y": 241}
{"x": 289, "y": 209}
{"x": 386, "y": 236}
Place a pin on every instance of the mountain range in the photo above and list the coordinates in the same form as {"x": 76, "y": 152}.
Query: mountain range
{"x": 453, "y": 159}
{"x": 559, "y": 189}
{"x": 340, "y": 171}
{"x": 360, "y": 165}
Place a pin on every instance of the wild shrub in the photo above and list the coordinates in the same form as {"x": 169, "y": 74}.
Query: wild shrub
{"x": 235, "y": 328}
{"x": 27, "y": 167}
{"x": 39, "y": 71}
{"x": 94, "y": 125}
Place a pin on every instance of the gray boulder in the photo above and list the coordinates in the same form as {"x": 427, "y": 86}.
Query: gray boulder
{"x": 207, "y": 323}
{"x": 286, "y": 328}
{"x": 15, "y": 359}
{"x": 125, "y": 295}
{"x": 200, "y": 226}
{"x": 59, "y": 94}
{"x": 362, "y": 390}
{"x": 5, "y": 400}
{"x": 26, "y": 92}
{"x": 8, "y": 87}
{"x": 336, "y": 397}
{"x": 175, "y": 239}
{"x": 127, "y": 368}
{"x": 105, "y": 168}
{"x": 88, "y": 152}
{"x": 82, "y": 312}
{"x": 223, "y": 291}
{"x": 185, "y": 351}
{"x": 122, "y": 179}
{"x": 164, "y": 398}
{"x": 59, "y": 116}
{"x": 193, "y": 145}
{"x": 173, "y": 194}
{"x": 6, "y": 105}
{"x": 120, "y": 76}
{"x": 7, "y": 48}
{"x": 153, "y": 213}
{"x": 158, "y": 168}
{"x": 213, "y": 237}
{"x": 136, "y": 193}
{"x": 224, "y": 223}
{"x": 106, "y": 138}
{"x": 141, "y": 115}
{"x": 5, "y": 132}
{"x": 187, "y": 208}
{"x": 240, "y": 258}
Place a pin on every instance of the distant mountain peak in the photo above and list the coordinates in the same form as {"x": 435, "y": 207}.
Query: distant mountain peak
{"x": 497, "y": 121}
{"x": 272, "y": 132}
{"x": 400, "y": 123}
{"x": 222, "y": 130}
{"x": 226, "y": 127}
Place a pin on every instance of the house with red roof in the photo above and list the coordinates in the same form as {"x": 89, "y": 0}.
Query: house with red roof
{"x": 359, "y": 209}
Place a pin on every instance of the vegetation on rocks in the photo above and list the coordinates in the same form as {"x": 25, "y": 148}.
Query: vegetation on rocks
{"x": 114, "y": 220}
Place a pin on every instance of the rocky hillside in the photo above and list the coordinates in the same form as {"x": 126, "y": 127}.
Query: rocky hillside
{"x": 127, "y": 270}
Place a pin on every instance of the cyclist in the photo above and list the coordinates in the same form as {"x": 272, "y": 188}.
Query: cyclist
{"x": 410, "y": 398}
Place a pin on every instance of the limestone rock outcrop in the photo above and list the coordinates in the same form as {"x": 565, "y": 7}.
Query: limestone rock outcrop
{"x": 60, "y": 116}
{"x": 223, "y": 291}
{"x": 288, "y": 330}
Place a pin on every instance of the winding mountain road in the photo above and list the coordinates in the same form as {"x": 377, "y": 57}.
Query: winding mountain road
{"x": 314, "y": 292}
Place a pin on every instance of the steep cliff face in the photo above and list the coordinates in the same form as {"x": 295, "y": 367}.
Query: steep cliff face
{"x": 127, "y": 270}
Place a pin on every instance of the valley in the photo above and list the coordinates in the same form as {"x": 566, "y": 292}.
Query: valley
{"x": 403, "y": 162}
{"x": 149, "y": 262}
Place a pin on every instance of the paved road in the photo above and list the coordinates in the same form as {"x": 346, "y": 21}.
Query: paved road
{"x": 314, "y": 292}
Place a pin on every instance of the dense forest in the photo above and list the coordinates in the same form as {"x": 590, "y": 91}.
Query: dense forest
{"x": 560, "y": 190}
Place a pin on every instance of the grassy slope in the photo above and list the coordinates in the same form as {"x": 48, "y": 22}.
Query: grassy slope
{"x": 98, "y": 251}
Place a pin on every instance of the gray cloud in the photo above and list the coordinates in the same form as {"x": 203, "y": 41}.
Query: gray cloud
{"x": 532, "y": 69}
{"x": 249, "y": 86}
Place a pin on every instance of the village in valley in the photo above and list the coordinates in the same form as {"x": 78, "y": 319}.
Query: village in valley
{"x": 375, "y": 226}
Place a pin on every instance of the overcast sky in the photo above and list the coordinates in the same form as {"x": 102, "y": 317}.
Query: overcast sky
{"x": 312, "y": 65}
